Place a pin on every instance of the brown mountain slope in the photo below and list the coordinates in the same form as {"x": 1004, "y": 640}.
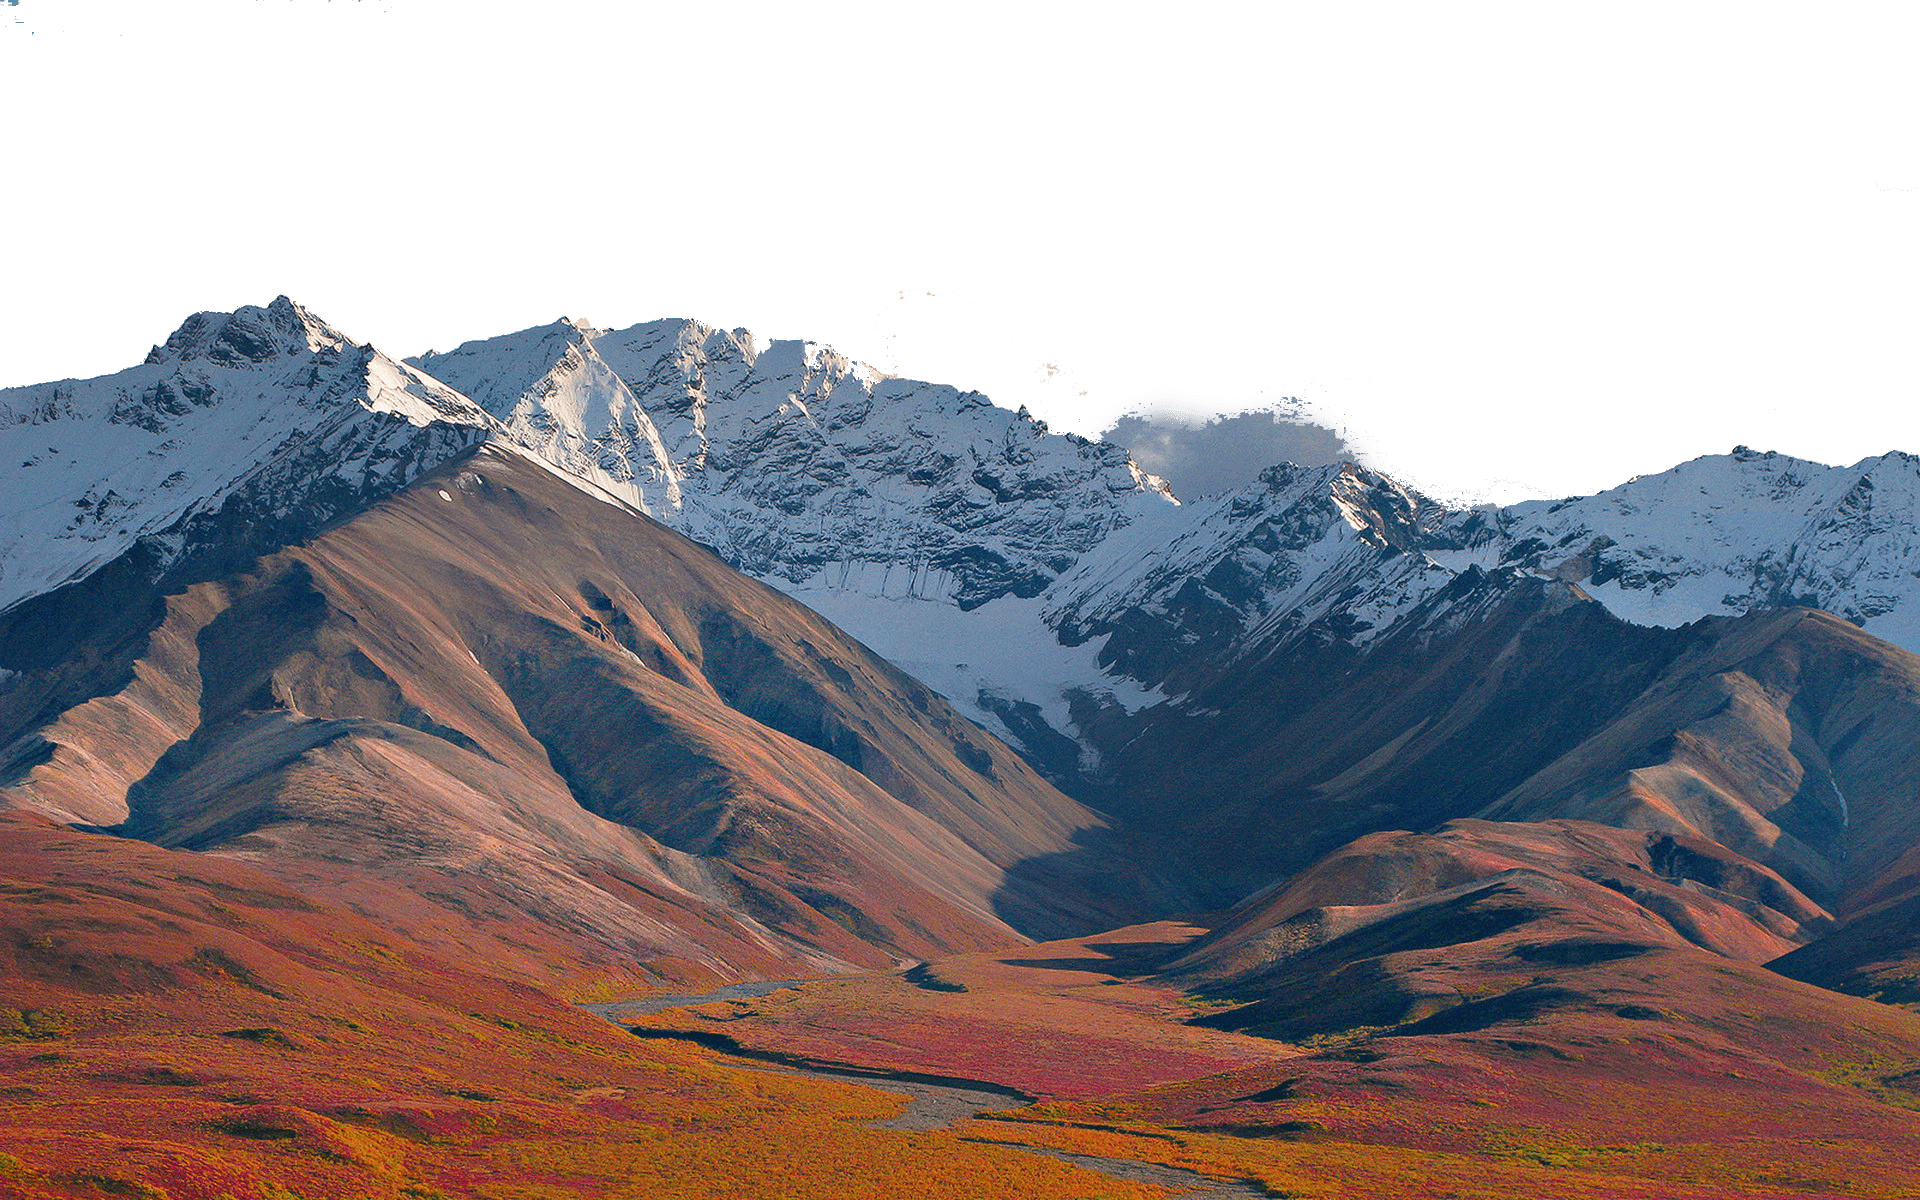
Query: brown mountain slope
{"x": 1380, "y": 932}
{"x": 1274, "y": 760}
{"x": 1787, "y": 736}
{"x": 1579, "y": 998}
{"x": 1499, "y": 1010}
{"x": 1778, "y": 743}
{"x": 1594, "y": 994}
{"x": 1784, "y": 735}
{"x": 498, "y": 697}
{"x": 1876, "y": 952}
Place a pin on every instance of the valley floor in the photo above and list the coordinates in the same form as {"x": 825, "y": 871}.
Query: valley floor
{"x": 1121, "y": 1083}
{"x": 178, "y": 1027}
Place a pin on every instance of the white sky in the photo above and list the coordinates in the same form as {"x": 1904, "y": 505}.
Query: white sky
{"x": 1511, "y": 249}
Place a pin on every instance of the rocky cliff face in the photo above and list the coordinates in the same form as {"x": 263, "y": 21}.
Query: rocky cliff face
{"x": 801, "y": 466}
{"x": 242, "y": 429}
{"x": 1728, "y": 534}
{"x": 1332, "y": 549}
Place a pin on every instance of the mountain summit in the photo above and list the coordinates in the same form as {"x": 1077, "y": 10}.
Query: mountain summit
{"x": 800, "y": 465}
{"x": 237, "y": 423}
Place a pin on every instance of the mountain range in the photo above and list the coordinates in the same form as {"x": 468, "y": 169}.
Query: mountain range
{"x": 607, "y": 661}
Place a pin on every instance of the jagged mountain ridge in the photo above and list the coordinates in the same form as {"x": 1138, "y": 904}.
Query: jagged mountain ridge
{"x": 1726, "y": 534}
{"x": 242, "y": 419}
{"x": 1060, "y": 577}
{"x": 1339, "y": 552}
{"x": 1717, "y": 536}
{"x": 798, "y": 464}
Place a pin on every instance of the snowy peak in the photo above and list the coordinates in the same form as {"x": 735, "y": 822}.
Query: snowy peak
{"x": 247, "y": 335}
{"x": 1729, "y": 533}
{"x": 801, "y": 465}
{"x": 1334, "y": 549}
{"x": 1382, "y": 510}
{"x": 516, "y": 365}
{"x": 556, "y": 396}
{"x": 266, "y": 408}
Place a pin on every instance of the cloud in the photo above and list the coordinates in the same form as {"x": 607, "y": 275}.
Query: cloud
{"x": 1199, "y": 457}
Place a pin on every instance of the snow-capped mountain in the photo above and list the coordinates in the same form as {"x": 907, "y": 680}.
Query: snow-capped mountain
{"x": 1029, "y": 577}
{"x": 1018, "y": 572}
{"x": 1347, "y": 555}
{"x": 239, "y": 420}
{"x": 1299, "y": 546}
{"x": 803, "y": 467}
{"x": 898, "y": 507}
{"x": 1727, "y": 534}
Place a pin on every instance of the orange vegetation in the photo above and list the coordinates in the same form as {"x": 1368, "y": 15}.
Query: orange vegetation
{"x": 1744, "y": 1084}
{"x": 1050, "y": 1019}
{"x": 180, "y": 1026}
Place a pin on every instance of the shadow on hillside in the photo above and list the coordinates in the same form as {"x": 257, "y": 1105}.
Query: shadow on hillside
{"x": 1126, "y": 959}
{"x": 1110, "y": 879}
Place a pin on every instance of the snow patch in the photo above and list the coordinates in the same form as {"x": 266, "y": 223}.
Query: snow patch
{"x": 1002, "y": 649}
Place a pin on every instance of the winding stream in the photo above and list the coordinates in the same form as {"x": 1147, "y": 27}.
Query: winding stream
{"x": 654, "y": 1004}
{"x": 934, "y": 1101}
